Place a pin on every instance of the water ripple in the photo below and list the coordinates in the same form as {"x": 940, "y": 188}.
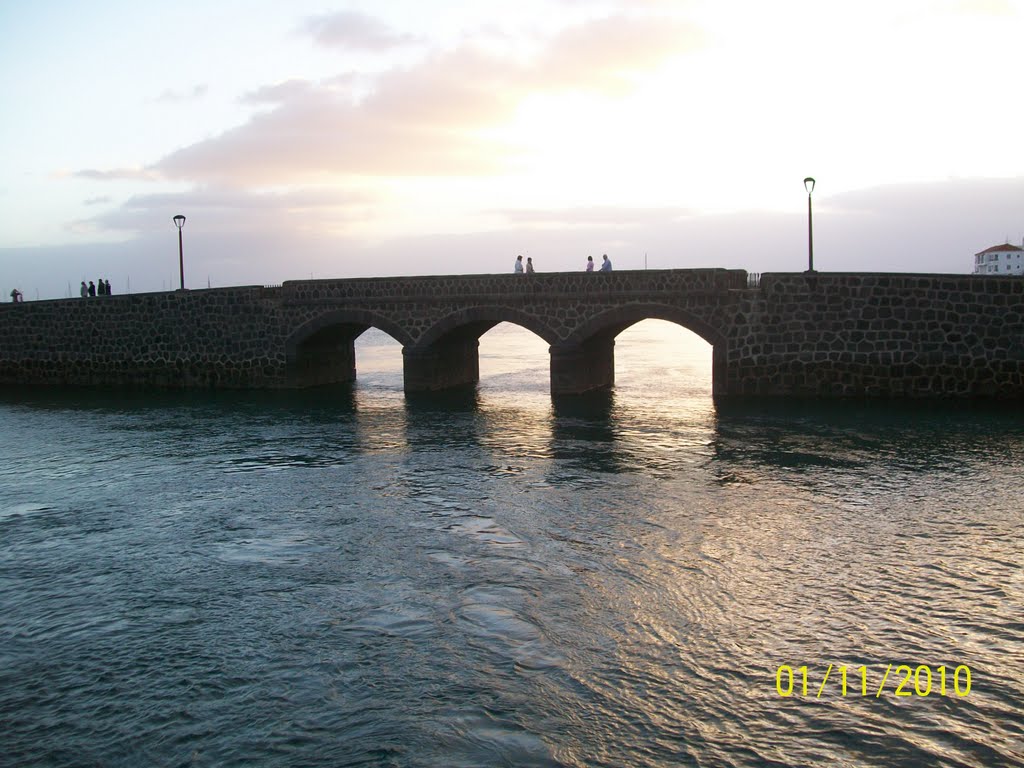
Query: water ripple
{"x": 347, "y": 577}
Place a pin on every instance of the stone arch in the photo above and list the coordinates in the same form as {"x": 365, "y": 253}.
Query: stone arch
{"x": 447, "y": 354}
{"x": 322, "y": 350}
{"x": 616, "y": 320}
{"x": 585, "y": 360}
{"x": 343, "y": 318}
{"x": 476, "y": 321}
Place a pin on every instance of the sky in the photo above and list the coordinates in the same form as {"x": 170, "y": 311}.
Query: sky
{"x": 349, "y": 139}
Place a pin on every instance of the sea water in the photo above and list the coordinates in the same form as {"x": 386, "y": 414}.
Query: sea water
{"x": 351, "y": 577}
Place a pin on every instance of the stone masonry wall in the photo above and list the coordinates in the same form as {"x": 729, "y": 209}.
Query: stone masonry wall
{"x": 252, "y": 336}
{"x": 822, "y": 334}
{"x": 213, "y": 338}
{"x": 890, "y": 335}
{"x": 553, "y": 305}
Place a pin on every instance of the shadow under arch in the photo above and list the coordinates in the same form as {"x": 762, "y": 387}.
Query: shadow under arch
{"x": 322, "y": 350}
{"x": 447, "y": 354}
{"x": 585, "y": 360}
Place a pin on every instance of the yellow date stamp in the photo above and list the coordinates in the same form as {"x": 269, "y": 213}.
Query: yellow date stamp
{"x": 900, "y": 680}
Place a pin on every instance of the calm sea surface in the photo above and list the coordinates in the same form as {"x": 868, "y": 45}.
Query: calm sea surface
{"x": 349, "y": 578}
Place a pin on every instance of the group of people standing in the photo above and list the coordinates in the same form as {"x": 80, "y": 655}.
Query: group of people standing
{"x": 606, "y": 265}
{"x": 103, "y": 289}
{"x": 518, "y": 268}
{"x": 92, "y": 289}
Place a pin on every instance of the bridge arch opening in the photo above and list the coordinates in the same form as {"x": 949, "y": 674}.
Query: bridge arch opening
{"x": 586, "y": 360}
{"x": 323, "y": 349}
{"x": 447, "y": 354}
{"x": 513, "y": 357}
{"x": 665, "y": 354}
{"x": 378, "y": 359}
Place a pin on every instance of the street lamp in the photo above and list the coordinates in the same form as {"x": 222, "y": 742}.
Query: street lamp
{"x": 809, "y": 186}
{"x": 179, "y": 222}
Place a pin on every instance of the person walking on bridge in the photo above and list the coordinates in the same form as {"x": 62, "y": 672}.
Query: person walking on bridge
{"x": 518, "y": 269}
{"x": 606, "y": 266}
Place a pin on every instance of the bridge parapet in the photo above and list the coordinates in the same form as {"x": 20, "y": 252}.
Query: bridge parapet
{"x": 510, "y": 286}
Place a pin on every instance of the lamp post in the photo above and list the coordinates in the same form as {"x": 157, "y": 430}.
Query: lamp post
{"x": 179, "y": 222}
{"x": 809, "y": 186}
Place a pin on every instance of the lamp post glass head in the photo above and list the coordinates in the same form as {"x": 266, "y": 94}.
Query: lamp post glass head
{"x": 809, "y": 185}
{"x": 179, "y": 221}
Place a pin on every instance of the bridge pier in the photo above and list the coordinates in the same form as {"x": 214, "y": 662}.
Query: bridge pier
{"x": 579, "y": 368}
{"x": 719, "y": 370}
{"x": 326, "y": 358}
{"x": 443, "y": 365}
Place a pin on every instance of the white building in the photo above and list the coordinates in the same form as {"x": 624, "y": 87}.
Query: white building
{"x": 1003, "y": 259}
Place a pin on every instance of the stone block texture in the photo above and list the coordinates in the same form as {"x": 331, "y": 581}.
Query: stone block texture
{"x": 819, "y": 334}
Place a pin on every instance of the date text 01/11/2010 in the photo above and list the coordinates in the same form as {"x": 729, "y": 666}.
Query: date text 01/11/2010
{"x": 916, "y": 681}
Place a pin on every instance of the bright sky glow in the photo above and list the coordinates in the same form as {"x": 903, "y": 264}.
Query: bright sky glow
{"x": 407, "y": 137}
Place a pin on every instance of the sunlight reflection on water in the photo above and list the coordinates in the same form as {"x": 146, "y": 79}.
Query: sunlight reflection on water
{"x": 491, "y": 577}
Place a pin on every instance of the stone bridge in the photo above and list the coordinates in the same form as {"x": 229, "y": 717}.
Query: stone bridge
{"x": 820, "y": 334}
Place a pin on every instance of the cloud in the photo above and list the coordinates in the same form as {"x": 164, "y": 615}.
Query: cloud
{"x": 428, "y": 120}
{"x": 323, "y": 135}
{"x": 601, "y": 217}
{"x": 414, "y": 123}
{"x": 232, "y": 212}
{"x": 243, "y": 239}
{"x": 605, "y": 51}
{"x": 279, "y": 93}
{"x": 353, "y": 30}
{"x": 934, "y": 227}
